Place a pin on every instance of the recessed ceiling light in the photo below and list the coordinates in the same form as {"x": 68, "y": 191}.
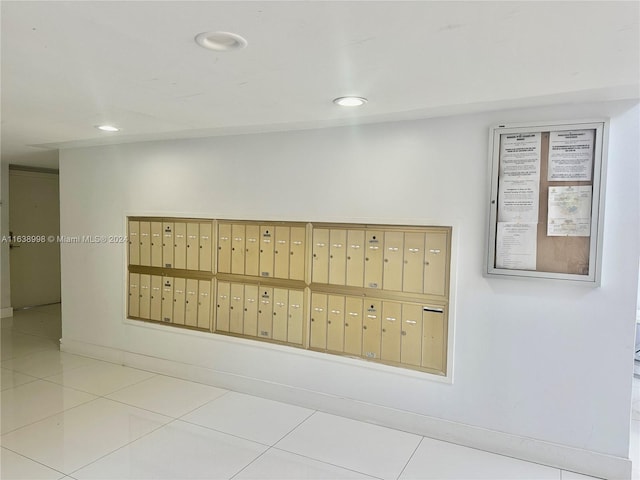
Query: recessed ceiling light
{"x": 350, "y": 101}
{"x": 107, "y": 128}
{"x": 220, "y": 41}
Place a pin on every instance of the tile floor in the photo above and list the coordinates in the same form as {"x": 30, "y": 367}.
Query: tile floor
{"x": 71, "y": 417}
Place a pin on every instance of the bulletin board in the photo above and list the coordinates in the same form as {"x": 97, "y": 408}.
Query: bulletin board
{"x": 546, "y": 203}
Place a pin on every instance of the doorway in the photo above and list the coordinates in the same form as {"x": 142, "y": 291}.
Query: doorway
{"x": 34, "y": 223}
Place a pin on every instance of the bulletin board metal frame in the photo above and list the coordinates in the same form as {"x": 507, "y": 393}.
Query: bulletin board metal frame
{"x": 549, "y": 260}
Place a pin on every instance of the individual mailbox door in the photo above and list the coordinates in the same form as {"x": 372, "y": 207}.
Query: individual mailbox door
{"x": 191, "y": 303}
{"x": 266, "y": 250}
{"x": 155, "y": 312}
{"x": 280, "y": 313}
{"x": 320, "y": 264}
{"x": 251, "y": 304}
{"x": 413, "y": 274}
{"x": 371, "y": 328}
{"x": 134, "y": 294}
{"x": 236, "y": 308}
{"x": 145, "y": 295}
{"x": 297, "y": 253}
{"x": 134, "y": 243}
{"x": 435, "y": 263}
{"x": 337, "y": 256}
{"x": 281, "y": 253}
{"x": 318, "y": 321}
{"x": 167, "y": 299}
{"x": 237, "y": 249}
{"x": 433, "y": 336}
{"x": 224, "y": 248}
{"x": 222, "y": 306}
{"x": 391, "y": 327}
{"x": 179, "y": 300}
{"x": 393, "y": 253}
{"x": 355, "y": 258}
{"x": 411, "y": 335}
{"x": 335, "y": 323}
{"x": 205, "y": 240}
{"x": 252, "y": 250}
{"x": 353, "y": 326}
{"x": 296, "y": 317}
{"x": 145, "y": 243}
{"x": 204, "y": 304}
{"x": 167, "y": 244}
{"x": 193, "y": 246}
{"x": 156, "y": 244}
{"x": 265, "y": 312}
{"x": 373, "y": 260}
{"x": 180, "y": 245}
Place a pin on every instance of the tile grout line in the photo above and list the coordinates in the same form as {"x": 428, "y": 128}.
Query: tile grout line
{"x": 33, "y": 460}
{"x": 280, "y": 449}
{"x": 410, "y": 457}
{"x": 49, "y": 416}
{"x": 123, "y": 446}
{"x": 273, "y": 447}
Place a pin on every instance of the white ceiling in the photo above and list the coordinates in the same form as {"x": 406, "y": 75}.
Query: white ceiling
{"x": 68, "y": 66}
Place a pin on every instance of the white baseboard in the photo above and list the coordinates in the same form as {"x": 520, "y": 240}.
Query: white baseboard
{"x": 523, "y": 448}
{"x": 6, "y": 312}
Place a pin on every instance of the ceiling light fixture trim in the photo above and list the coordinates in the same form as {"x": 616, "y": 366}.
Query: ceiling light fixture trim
{"x": 220, "y": 41}
{"x": 350, "y": 101}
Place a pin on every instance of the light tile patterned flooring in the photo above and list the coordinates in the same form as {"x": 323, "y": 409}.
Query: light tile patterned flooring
{"x": 71, "y": 417}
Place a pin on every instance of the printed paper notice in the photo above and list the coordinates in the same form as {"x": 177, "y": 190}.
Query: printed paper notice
{"x": 569, "y": 212}
{"x": 571, "y": 155}
{"x": 520, "y": 156}
{"x": 516, "y": 246}
{"x": 518, "y": 201}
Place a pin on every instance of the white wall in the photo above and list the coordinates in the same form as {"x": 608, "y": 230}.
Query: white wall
{"x": 537, "y": 359}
